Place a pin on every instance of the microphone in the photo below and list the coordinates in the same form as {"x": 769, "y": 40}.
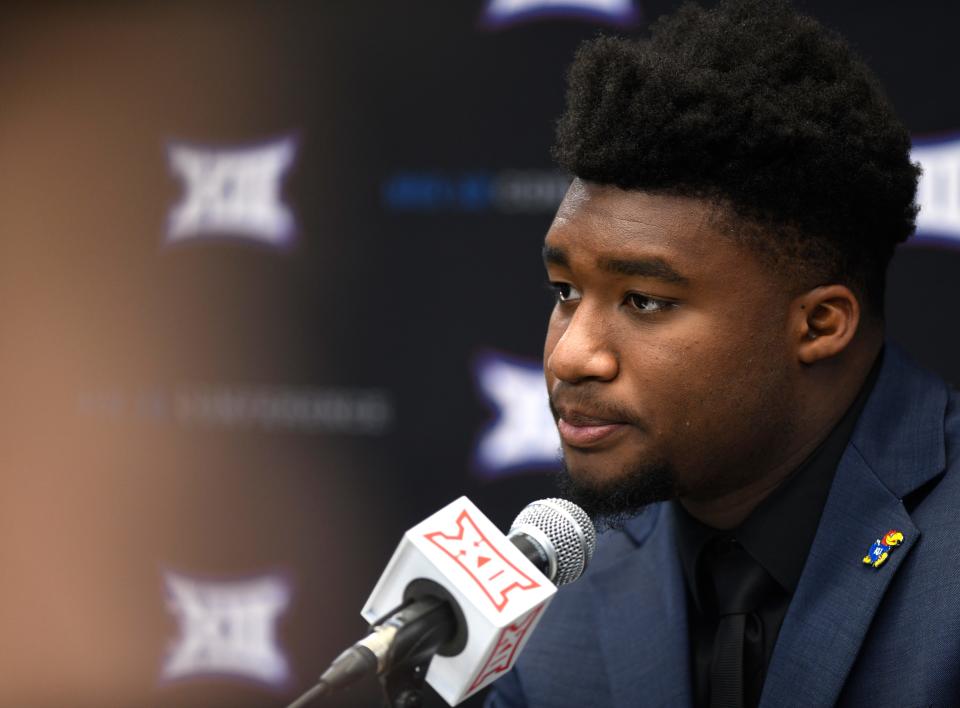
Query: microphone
{"x": 461, "y": 597}
{"x": 557, "y": 536}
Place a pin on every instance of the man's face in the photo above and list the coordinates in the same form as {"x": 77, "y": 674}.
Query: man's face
{"x": 667, "y": 358}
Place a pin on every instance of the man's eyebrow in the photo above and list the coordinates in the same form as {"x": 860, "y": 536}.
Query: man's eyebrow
{"x": 641, "y": 267}
{"x": 554, "y": 255}
{"x": 644, "y": 268}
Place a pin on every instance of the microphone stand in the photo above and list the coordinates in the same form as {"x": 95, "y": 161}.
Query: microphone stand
{"x": 403, "y": 686}
{"x": 428, "y": 624}
{"x": 421, "y": 627}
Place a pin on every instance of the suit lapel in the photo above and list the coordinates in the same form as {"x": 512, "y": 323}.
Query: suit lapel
{"x": 838, "y": 594}
{"x": 896, "y": 447}
{"x": 641, "y": 605}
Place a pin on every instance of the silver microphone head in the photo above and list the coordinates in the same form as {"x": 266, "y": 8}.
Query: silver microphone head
{"x": 563, "y": 531}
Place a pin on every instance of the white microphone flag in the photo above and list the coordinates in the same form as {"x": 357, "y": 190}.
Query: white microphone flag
{"x": 501, "y": 593}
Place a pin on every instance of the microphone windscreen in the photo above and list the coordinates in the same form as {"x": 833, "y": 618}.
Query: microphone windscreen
{"x": 566, "y": 532}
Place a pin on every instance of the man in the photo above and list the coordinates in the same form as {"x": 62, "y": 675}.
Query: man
{"x": 782, "y": 486}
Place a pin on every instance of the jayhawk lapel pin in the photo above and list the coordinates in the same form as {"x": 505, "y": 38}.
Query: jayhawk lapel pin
{"x": 881, "y": 548}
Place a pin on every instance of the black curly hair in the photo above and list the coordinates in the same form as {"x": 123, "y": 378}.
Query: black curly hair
{"x": 763, "y": 111}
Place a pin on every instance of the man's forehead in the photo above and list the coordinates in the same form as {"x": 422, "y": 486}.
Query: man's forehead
{"x": 612, "y": 222}
{"x": 633, "y": 205}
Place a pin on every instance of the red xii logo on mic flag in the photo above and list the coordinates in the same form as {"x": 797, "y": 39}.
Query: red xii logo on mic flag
{"x": 488, "y": 567}
{"x": 505, "y": 650}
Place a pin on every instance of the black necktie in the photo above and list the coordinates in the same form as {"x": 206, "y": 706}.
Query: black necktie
{"x": 740, "y": 585}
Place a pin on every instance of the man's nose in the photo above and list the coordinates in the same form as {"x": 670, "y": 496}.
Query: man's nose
{"x": 583, "y": 350}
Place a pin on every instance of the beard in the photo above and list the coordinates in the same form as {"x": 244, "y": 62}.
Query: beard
{"x": 612, "y": 504}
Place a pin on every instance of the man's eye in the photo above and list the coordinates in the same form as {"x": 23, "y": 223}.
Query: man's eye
{"x": 565, "y": 292}
{"x": 643, "y": 303}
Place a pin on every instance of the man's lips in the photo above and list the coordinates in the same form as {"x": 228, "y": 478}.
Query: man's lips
{"x": 580, "y": 430}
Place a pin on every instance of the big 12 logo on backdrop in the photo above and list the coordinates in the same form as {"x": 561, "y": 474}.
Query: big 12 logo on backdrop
{"x": 232, "y": 192}
{"x": 938, "y": 193}
{"x": 227, "y": 628}
{"x": 523, "y": 434}
{"x": 500, "y": 13}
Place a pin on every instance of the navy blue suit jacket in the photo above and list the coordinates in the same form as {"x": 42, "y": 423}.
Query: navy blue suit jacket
{"x": 854, "y": 635}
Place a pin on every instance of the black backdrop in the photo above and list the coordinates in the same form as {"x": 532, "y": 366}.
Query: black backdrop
{"x": 220, "y": 408}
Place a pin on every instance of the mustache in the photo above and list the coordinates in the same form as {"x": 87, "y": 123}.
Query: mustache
{"x": 584, "y": 400}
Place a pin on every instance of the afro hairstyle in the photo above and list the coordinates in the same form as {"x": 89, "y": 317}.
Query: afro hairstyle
{"x": 763, "y": 111}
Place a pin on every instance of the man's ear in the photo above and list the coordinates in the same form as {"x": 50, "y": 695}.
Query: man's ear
{"x": 824, "y": 321}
